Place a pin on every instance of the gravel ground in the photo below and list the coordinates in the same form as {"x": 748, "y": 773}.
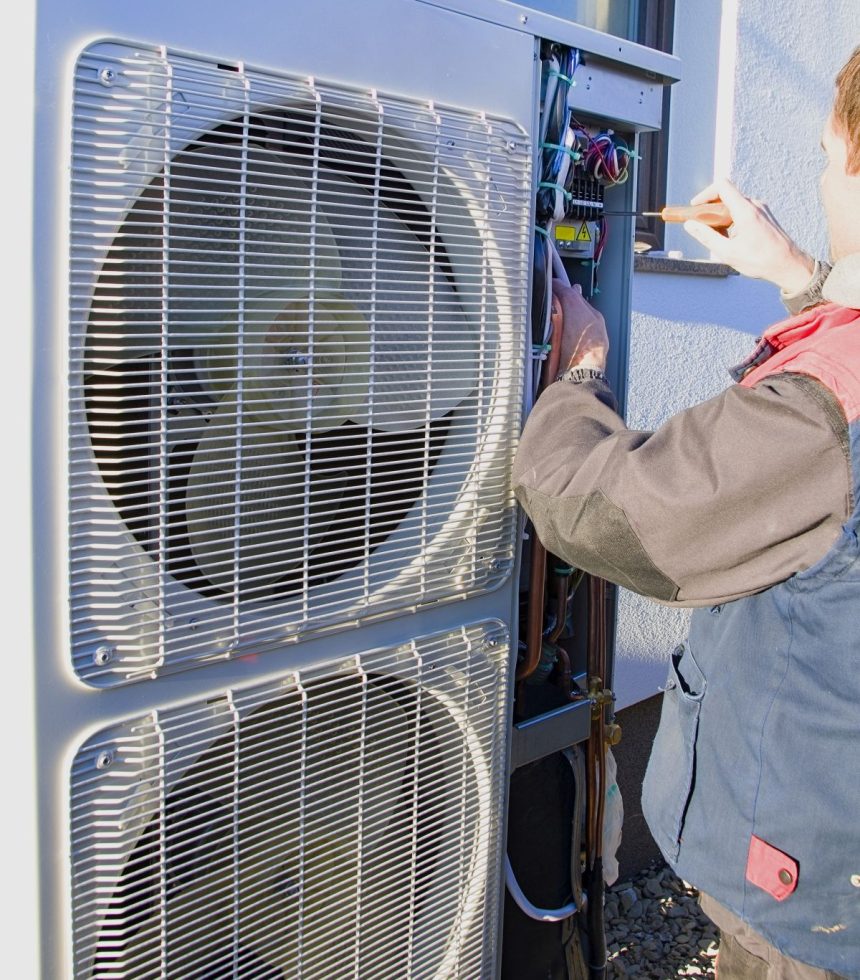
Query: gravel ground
{"x": 655, "y": 928}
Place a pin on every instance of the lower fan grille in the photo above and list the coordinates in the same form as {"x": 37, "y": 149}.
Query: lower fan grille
{"x": 343, "y": 822}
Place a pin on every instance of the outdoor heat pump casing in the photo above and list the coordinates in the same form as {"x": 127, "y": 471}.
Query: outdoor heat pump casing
{"x": 279, "y": 342}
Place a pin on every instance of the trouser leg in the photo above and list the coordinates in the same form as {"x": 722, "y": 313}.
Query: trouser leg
{"x": 736, "y": 963}
{"x": 745, "y": 955}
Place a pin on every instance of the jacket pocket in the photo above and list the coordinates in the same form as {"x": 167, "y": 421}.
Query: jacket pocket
{"x": 671, "y": 769}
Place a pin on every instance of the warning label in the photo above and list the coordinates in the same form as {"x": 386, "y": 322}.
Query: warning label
{"x": 576, "y": 237}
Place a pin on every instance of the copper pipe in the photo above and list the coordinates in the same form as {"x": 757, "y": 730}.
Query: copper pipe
{"x": 591, "y": 755}
{"x": 564, "y": 673}
{"x": 562, "y": 587}
{"x": 534, "y": 632}
{"x": 550, "y": 367}
{"x": 537, "y": 573}
{"x": 596, "y": 777}
{"x": 600, "y": 734}
{"x": 596, "y": 679}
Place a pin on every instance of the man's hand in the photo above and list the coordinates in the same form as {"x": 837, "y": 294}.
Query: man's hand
{"x": 584, "y": 341}
{"x": 755, "y": 244}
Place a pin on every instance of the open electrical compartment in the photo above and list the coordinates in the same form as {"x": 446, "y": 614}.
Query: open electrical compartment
{"x": 287, "y": 710}
{"x": 562, "y": 773}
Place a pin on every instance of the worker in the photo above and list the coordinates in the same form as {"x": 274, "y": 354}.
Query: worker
{"x": 746, "y": 507}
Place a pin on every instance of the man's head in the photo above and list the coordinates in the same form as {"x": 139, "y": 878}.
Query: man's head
{"x": 840, "y": 181}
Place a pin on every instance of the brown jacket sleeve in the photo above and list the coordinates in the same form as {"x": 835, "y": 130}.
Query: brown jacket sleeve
{"x": 725, "y": 499}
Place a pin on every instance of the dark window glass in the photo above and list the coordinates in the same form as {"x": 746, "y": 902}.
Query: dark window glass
{"x": 655, "y": 27}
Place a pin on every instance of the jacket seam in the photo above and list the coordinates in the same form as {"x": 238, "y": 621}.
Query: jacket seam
{"x": 676, "y": 587}
{"x": 829, "y": 402}
{"x": 836, "y": 418}
{"x": 773, "y": 700}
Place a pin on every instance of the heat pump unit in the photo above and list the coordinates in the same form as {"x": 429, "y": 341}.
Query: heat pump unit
{"x": 282, "y": 267}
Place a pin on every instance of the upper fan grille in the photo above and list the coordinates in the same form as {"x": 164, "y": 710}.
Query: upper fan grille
{"x": 295, "y": 357}
{"x": 342, "y": 822}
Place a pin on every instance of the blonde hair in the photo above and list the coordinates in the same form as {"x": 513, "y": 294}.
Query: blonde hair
{"x": 846, "y": 108}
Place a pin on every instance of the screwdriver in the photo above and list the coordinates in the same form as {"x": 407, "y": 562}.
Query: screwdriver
{"x": 714, "y": 213}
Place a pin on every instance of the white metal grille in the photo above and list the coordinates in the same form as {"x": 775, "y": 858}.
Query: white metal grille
{"x": 295, "y": 357}
{"x": 343, "y": 822}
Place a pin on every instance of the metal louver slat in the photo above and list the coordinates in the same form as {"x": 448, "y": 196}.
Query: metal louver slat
{"x": 295, "y": 357}
{"x": 341, "y": 822}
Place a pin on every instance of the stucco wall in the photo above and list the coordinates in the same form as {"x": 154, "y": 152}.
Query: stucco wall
{"x": 757, "y": 85}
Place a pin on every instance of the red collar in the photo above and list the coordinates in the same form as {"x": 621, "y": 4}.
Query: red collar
{"x": 818, "y": 319}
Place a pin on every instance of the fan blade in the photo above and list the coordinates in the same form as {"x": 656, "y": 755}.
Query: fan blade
{"x": 303, "y": 365}
{"x": 245, "y": 504}
{"x": 237, "y": 224}
{"x": 426, "y": 351}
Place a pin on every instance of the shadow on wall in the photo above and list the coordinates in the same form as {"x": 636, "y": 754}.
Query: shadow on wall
{"x": 737, "y": 303}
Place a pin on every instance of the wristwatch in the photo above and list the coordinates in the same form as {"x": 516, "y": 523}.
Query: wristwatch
{"x": 580, "y": 374}
{"x": 810, "y": 295}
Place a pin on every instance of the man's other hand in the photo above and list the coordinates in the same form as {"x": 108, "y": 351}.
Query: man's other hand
{"x": 755, "y": 244}
{"x": 584, "y": 341}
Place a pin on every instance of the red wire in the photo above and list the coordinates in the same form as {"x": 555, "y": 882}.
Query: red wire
{"x": 601, "y": 244}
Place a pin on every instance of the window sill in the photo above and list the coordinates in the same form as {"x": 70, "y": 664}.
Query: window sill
{"x": 681, "y": 267}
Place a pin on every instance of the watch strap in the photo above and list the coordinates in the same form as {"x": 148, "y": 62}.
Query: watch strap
{"x": 810, "y": 295}
{"x": 580, "y": 374}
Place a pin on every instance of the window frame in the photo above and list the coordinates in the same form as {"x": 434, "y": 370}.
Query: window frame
{"x": 655, "y": 28}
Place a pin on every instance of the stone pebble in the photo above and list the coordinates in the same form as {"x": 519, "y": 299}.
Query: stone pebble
{"x": 655, "y": 929}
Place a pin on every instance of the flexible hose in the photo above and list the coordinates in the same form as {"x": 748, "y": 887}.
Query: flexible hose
{"x": 533, "y": 911}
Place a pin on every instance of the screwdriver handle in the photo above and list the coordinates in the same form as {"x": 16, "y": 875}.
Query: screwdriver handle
{"x": 714, "y": 213}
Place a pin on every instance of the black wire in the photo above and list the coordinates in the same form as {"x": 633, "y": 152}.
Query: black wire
{"x": 539, "y": 289}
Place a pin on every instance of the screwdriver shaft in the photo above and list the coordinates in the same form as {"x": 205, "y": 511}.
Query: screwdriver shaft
{"x": 714, "y": 213}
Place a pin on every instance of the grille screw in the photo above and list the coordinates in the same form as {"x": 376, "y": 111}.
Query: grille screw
{"x": 524, "y": 18}
{"x": 103, "y": 655}
{"x": 512, "y": 146}
{"x": 104, "y": 760}
{"x": 107, "y": 76}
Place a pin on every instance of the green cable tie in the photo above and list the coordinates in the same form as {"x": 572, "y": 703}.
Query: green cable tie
{"x": 542, "y": 231}
{"x": 573, "y": 154}
{"x": 561, "y": 75}
{"x": 556, "y": 187}
{"x": 563, "y": 570}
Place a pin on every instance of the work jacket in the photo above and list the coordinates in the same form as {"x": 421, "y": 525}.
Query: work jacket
{"x": 745, "y": 507}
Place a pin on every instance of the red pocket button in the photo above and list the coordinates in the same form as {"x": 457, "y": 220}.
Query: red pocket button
{"x": 770, "y": 869}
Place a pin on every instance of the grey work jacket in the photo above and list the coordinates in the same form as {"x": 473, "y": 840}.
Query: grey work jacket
{"x": 744, "y": 506}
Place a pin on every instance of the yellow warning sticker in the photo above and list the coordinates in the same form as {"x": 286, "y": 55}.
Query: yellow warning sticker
{"x": 565, "y": 233}
{"x": 584, "y": 235}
